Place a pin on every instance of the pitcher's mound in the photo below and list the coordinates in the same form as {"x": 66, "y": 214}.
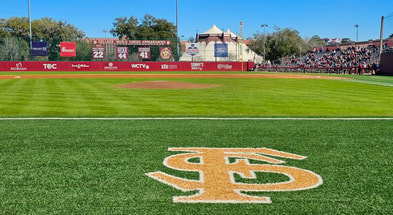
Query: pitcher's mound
{"x": 164, "y": 85}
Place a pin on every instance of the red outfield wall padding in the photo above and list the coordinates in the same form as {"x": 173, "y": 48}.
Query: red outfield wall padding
{"x": 29, "y": 66}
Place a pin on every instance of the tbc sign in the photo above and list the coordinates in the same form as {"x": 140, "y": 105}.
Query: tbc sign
{"x": 217, "y": 168}
{"x": 49, "y": 66}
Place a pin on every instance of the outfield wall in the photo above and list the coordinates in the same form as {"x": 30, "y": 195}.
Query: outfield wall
{"x": 27, "y": 66}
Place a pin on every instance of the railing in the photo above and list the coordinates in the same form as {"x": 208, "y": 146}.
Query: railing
{"x": 326, "y": 70}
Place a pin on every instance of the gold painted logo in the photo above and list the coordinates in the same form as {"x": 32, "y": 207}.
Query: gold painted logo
{"x": 217, "y": 167}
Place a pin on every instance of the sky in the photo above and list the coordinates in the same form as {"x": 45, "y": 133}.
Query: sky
{"x": 327, "y": 19}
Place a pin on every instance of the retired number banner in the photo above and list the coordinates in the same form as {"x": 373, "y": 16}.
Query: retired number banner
{"x": 122, "y": 53}
{"x": 98, "y": 53}
{"x": 143, "y": 53}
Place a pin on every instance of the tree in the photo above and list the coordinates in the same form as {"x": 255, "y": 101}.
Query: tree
{"x": 3, "y": 32}
{"x": 17, "y": 27}
{"x": 45, "y": 29}
{"x": 280, "y": 43}
{"x": 149, "y": 28}
{"x": 123, "y": 27}
{"x": 191, "y": 40}
{"x": 315, "y": 42}
{"x": 346, "y": 41}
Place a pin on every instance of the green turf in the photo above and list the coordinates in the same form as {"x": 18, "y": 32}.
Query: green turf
{"x": 359, "y": 96}
{"x": 98, "y": 167}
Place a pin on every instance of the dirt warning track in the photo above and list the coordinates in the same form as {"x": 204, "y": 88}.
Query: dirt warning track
{"x": 247, "y": 75}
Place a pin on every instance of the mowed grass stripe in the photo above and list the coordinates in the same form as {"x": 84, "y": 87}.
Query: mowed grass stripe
{"x": 231, "y": 97}
{"x": 92, "y": 97}
{"x": 15, "y": 97}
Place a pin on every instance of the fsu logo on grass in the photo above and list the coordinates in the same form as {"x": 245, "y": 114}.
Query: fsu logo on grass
{"x": 217, "y": 168}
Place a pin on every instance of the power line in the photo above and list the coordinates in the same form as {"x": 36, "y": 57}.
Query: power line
{"x": 390, "y": 15}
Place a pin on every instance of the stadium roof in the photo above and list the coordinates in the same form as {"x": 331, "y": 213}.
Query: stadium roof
{"x": 214, "y": 30}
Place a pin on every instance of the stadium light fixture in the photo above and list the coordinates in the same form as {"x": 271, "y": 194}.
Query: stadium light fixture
{"x": 357, "y": 32}
{"x": 105, "y": 31}
{"x": 264, "y": 40}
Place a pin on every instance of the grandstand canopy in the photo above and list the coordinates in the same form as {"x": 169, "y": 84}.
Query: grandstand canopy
{"x": 213, "y": 31}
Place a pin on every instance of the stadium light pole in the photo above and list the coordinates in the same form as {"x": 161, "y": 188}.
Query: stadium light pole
{"x": 357, "y": 32}
{"x": 30, "y": 36}
{"x": 381, "y": 39}
{"x": 264, "y": 40}
{"x": 105, "y": 31}
{"x": 177, "y": 30}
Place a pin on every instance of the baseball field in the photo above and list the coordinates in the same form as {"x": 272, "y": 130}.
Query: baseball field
{"x": 195, "y": 143}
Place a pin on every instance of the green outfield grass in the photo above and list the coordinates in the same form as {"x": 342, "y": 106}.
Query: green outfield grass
{"x": 358, "y": 96}
{"x": 99, "y": 167}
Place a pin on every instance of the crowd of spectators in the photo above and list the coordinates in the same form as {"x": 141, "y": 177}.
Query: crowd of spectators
{"x": 351, "y": 57}
{"x": 341, "y": 60}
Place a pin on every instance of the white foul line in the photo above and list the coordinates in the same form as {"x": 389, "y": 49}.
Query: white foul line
{"x": 199, "y": 118}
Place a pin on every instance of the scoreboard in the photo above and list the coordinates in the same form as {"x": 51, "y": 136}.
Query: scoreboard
{"x": 122, "y": 50}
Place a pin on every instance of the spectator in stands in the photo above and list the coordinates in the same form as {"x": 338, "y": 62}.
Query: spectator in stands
{"x": 352, "y": 57}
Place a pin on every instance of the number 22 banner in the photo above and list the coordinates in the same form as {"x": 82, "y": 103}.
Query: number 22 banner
{"x": 98, "y": 53}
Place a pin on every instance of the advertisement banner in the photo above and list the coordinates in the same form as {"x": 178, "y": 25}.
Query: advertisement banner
{"x": 221, "y": 50}
{"x": 54, "y": 66}
{"x": 192, "y": 49}
{"x": 165, "y": 53}
{"x": 122, "y": 53}
{"x": 67, "y": 49}
{"x": 98, "y": 53}
{"x": 39, "y": 49}
{"x": 144, "y": 53}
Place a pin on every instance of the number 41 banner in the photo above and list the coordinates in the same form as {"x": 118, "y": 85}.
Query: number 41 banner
{"x": 143, "y": 53}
